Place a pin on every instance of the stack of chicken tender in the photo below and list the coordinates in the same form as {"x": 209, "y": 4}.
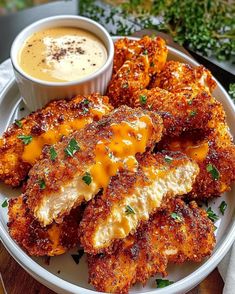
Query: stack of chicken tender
{"x": 116, "y": 185}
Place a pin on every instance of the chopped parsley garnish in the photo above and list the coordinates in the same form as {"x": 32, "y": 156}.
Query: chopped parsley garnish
{"x": 143, "y": 99}
{"x": 53, "y": 153}
{"x": 190, "y": 102}
{"x": 18, "y": 123}
{"x": 87, "y": 178}
{"x": 152, "y": 64}
{"x": 129, "y": 210}
{"x": 72, "y": 148}
{"x": 125, "y": 86}
{"x": 25, "y": 139}
{"x": 5, "y": 203}
{"x": 176, "y": 217}
{"x": 213, "y": 171}
{"x": 85, "y": 101}
{"x": 163, "y": 283}
{"x": 77, "y": 257}
{"x": 168, "y": 159}
{"x": 193, "y": 113}
{"x": 41, "y": 184}
{"x": 223, "y": 206}
{"x": 211, "y": 215}
{"x": 145, "y": 52}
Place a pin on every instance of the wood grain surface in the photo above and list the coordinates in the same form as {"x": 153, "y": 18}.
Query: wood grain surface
{"x": 18, "y": 281}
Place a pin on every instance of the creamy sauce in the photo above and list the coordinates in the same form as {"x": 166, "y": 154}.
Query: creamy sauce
{"x": 62, "y": 54}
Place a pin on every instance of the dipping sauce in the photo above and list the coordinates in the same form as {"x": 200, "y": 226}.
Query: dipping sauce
{"x": 62, "y": 54}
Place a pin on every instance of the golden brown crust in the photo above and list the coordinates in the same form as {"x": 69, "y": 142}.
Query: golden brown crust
{"x": 122, "y": 187}
{"x": 134, "y": 63}
{"x": 54, "y": 239}
{"x": 13, "y": 170}
{"x": 180, "y": 77}
{"x": 58, "y": 173}
{"x": 163, "y": 239}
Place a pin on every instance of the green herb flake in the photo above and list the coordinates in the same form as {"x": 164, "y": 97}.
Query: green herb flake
{"x": 223, "y": 206}
{"x": 85, "y": 101}
{"x": 176, "y": 217}
{"x": 41, "y": 184}
{"x": 211, "y": 215}
{"x": 72, "y": 148}
{"x": 18, "y": 123}
{"x": 5, "y": 203}
{"x": 125, "y": 86}
{"x": 168, "y": 159}
{"x": 53, "y": 153}
{"x": 190, "y": 102}
{"x": 145, "y": 52}
{"x": 152, "y": 64}
{"x": 193, "y": 113}
{"x": 143, "y": 99}
{"x": 25, "y": 139}
{"x": 87, "y": 178}
{"x": 213, "y": 171}
{"x": 129, "y": 210}
{"x": 163, "y": 283}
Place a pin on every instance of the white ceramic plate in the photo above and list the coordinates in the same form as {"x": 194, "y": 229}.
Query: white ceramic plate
{"x": 72, "y": 277}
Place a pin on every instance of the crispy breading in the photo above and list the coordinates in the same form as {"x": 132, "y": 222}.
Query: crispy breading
{"x": 132, "y": 197}
{"x": 87, "y": 159}
{"x": 45, "y": 126}
{"x": 54, "y": 239}
{"x": 180, "y": 112}
{"x": 134, "y": 64}
{"x": 180, "y": 77}
{"x": 176, "y": 233}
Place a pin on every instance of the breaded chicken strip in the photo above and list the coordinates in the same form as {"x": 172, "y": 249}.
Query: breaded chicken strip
{"x": 143, "y": 59}
{"x": 133, "y": 196}
{"x": 86, "y": 160}
{"x": 216, "y": 162}
{"x": 54, "y": 239}
{"x": 180, "y": 112}
{"x": 127, "y": 49}
{"x": 176, "y": 233}
{"x": 180, "y": 77}
{"x": 22, "y": 143}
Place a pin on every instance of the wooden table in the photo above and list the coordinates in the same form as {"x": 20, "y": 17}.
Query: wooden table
{"x": 18, "y": 281}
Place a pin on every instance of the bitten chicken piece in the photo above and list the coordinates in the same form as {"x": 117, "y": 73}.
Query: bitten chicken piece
{"x": 143, "y": 59}
{"x": 180, "y": 77}
{"x": 22, "y": 143}
{"x": 132, "y": 197}
{"x": 86, "y": 160}
{"x": 54, "y": 239}
{"x": 176, "y": 233}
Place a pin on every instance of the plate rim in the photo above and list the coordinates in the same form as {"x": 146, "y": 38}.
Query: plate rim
{"x": 56, "y": 283}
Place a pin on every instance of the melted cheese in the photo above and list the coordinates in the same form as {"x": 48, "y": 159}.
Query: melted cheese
{"x": 196, "y": 152}
{"x": 33, "y": 150}
{"x": 54, "y": 236}
{"x": 144, "y": 200}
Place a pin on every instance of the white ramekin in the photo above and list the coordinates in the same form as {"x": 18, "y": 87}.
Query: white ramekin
{"x": 36, "y": 93}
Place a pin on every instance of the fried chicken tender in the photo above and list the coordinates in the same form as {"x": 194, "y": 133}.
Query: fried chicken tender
{"x": 87, "y": 159}
{"x": 132, "y": 197}
{"x": 141, "y": 60}
{"x": 180, "y": 77}
{"x": 22, "y": 143}
{"x": 54, "y": 239}
{"x": 176, "y": 233}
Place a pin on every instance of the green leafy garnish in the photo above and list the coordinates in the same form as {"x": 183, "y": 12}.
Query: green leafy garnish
{"x": 5, "y": 203}
{"x": 145, "y": 52}
{"x": 152, "y": 64}
{"x": 223, "y": 206}
{"x": 213, "y": 171}
{"x": 143, "y": 99}
{"x": 176, "y": 217}
{"x": 25, "y": 139}
{"x": 125, "y": 86}
{"x": 193, "y": 113}
{"x": 72, "y": 148}
{"x": 232, "y": 91}
{"x": 163, "y": 283}
{"x": 211, "y": 215}
{"x": 18, "y": 123}
{"x": 168, "y": 159}
{"x": 87, "y": 178}
{"x": 41, "y": 184}
{"x": 53, "y": 153}
{"x": 129, "y": 210}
